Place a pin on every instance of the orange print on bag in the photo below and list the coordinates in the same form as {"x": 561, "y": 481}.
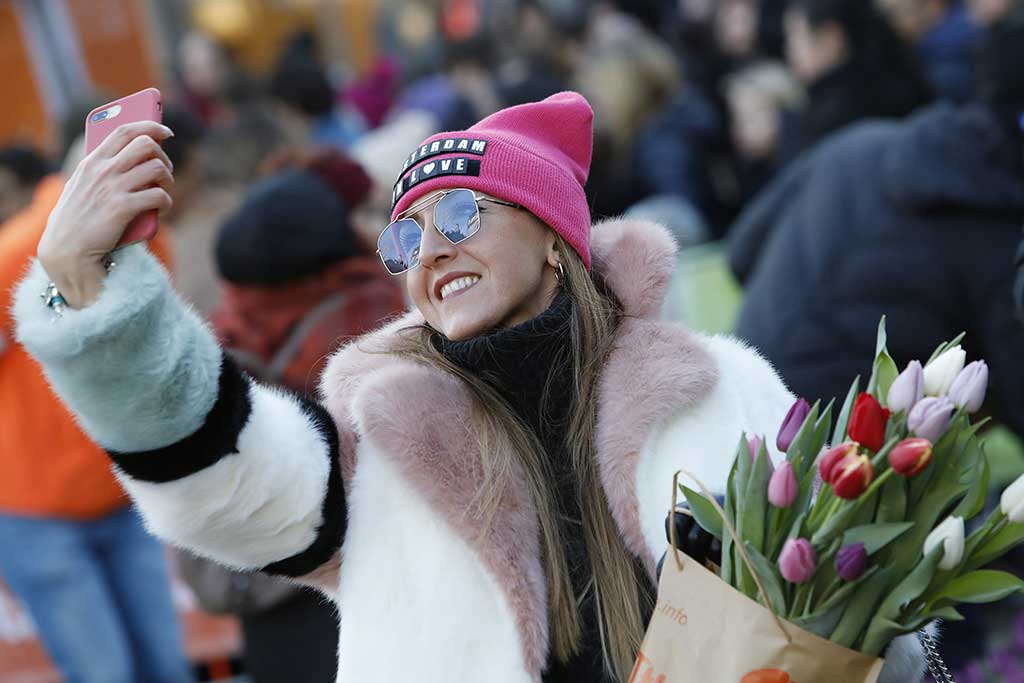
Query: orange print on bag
{"x": 643, "y": 671}
{"x": 767, "y": 676}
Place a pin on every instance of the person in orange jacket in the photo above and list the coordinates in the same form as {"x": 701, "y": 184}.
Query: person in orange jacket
{"x": 72, "y": 548}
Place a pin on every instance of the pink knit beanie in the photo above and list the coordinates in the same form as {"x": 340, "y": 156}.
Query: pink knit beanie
{"x": 535, "y": 154}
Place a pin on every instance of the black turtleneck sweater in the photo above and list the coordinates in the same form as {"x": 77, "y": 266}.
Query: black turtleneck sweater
{"x": 518, "y": 362}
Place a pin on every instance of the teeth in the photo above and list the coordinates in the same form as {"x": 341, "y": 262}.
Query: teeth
{"x": 456, "y": 285}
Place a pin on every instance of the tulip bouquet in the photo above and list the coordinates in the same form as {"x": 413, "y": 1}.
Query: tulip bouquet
{"x": 863, "y": 540}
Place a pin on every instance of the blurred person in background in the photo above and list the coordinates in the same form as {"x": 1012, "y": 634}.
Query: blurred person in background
{"x": 916, "y": 220}
{"x": 630, "y": 77}
{"x": 853, "y": 65}
{"x": 945, "y": 38}
{"x": 764, "y": 102}
{"x": 21, "y": 170}
{"x": 300, "y": 277}
{"x": 72, "y": 548}
{"x": 307, "y": 103}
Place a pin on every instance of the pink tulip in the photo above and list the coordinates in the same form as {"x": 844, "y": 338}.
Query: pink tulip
{"x": 754, "y": 446}
{"x": 798, "y": 561}
{"x": 783, "y": 487}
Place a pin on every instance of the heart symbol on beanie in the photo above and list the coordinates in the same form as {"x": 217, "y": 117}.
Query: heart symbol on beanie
{"x": 428, "y": 169}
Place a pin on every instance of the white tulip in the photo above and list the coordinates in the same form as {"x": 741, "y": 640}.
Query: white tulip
{"x": 1012, "y": 501}
{"x": 951, "y": 535}
{"x": 940, "y": 373}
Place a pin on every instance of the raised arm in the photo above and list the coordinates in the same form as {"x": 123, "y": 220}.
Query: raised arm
{"x": 216, "y": 463}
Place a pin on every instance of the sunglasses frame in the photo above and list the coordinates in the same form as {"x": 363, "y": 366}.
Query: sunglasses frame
{"x": 434, "y": 200}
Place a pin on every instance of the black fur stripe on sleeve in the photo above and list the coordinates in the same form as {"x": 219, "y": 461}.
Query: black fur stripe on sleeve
{"x": 216, "y": 438}
{"x": 334, "y": 510}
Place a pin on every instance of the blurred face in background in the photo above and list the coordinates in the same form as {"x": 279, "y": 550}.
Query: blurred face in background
{"x": 756, "y": 122}
{"x": 912, "y": 19}
{"x": 202, "y": 65}
{"x": 507, "y": 265}
{"x": 813, "y": 51}
{"x": 736, "y": 27}
{"x": 988, "y": 12}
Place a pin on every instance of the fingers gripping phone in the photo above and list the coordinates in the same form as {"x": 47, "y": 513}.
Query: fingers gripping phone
{"x": 145, "y": 105}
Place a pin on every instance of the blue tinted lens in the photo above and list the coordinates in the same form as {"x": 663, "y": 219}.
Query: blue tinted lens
{"x": 457, "y": 216}
{"x": 399, "y": 245}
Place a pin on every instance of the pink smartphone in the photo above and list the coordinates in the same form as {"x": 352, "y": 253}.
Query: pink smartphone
{"x": 145, "y": 105}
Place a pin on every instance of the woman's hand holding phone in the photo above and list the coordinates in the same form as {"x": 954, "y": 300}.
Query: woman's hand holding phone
{"x": 127, "y": 174}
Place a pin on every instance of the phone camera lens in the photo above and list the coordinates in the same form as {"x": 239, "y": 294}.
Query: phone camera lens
{"x": 99, "y": 116}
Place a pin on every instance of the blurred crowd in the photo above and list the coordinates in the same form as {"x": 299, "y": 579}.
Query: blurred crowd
{"x": 852, "y": 158}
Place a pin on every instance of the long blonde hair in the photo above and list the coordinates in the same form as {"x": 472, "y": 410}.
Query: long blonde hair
{"x": 508, "y": 446}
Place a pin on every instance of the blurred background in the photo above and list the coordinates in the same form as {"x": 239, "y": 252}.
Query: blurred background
{"x": 821, "y": 162}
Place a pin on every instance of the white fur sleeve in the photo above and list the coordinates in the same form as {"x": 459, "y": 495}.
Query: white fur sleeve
{"x": 748, "y": 397}
{"x": 216, "y": 463}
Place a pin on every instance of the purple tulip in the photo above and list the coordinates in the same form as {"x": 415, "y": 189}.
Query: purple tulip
{"x": 968, "y": 389}
{"x": 851, "y": 561}
{"x": 930, "y": 417}
{"x": 907, "y": 389}
{"x": 798, "y": 561}
{"x": 782, "y": 487}
{"x": 791, "y": 425}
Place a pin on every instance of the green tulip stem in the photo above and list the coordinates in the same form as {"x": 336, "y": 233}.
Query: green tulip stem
{"x": 832, "y": 588}
{"x": 877, "y": 483}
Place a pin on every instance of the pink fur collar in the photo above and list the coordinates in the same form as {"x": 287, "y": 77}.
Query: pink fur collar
{"x": 409, "y": 410}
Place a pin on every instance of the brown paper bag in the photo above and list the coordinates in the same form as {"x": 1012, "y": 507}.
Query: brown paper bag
{"x": 705, "y": 631}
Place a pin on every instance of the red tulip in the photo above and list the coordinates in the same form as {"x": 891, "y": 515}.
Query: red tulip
{"x": 867, "y": 422}
{"x": 911, "y": 456}
{"x": 851, "y": 476}
{"x": 832, "y": 456}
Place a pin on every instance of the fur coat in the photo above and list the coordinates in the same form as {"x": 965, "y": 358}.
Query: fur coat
{"x": 363, "y": 493}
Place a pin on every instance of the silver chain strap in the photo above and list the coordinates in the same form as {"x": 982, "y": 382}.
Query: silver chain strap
{"x": 936, "y": 666}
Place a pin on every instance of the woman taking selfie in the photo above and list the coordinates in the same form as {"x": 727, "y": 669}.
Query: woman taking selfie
{"x": 483, "y": 484}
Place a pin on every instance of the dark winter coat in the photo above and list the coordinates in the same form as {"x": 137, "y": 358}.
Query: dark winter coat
{"x": 916, "y": 220}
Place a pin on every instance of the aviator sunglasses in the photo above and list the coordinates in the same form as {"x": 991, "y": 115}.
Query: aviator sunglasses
{"x": 456, "y": 216}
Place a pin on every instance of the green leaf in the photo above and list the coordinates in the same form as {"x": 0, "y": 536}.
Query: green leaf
{"x": 821, "y": 430}
{"x": 843, "y": 421}
{"x": 821, "y": 622}
{"x": 884, "y": 371}
{"x": 743, "y": 467}
{"x": 704, "y": 512}
{"x": 944, "y": 613}
{"x": 892, "y": 501}
{"x": 770, "y": 579}
{"x": 860, "y": 608}
{"x": 980, "y": 586}
{"x": 838, "y": 599}
{"x": 881, "y": 340}
{"x": 752, "y": 517}
{"x": 997, "y": 545}
{"x": 727, "y": 571}
{"x": 974, "y": 501}
{"x": 911, "y": 587}
{"x": 875, "y": 536}
{"x": 880, "y": 633}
